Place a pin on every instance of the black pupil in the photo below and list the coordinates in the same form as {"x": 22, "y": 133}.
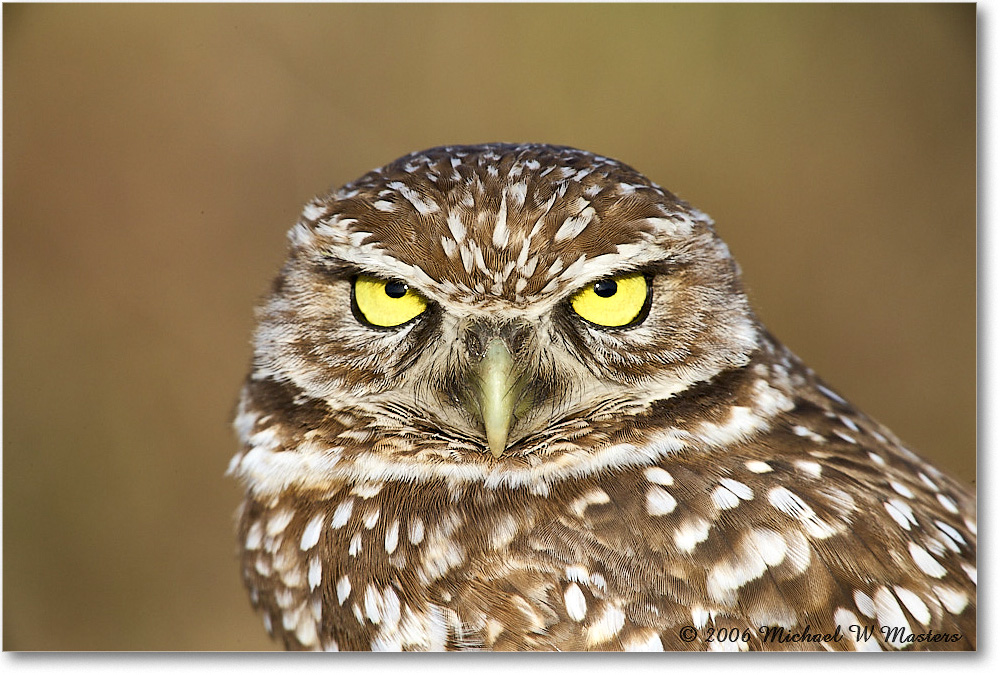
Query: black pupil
{"x": 395, "y": 289}
{"x": 606, "y": 288}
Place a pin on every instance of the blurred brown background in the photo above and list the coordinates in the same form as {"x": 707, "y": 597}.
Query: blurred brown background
{"x": 154, "y": 157}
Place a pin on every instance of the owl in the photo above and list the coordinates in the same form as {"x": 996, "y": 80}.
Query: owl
{"x": 513, "y": 397}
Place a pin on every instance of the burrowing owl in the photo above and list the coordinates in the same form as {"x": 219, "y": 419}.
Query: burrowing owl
{"x": 513, "y": 397}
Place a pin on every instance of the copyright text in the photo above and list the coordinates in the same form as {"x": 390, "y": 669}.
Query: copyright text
{"x": 778, "y": 635}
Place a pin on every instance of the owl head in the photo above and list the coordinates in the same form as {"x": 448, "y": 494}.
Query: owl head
{"x": 480, "y": 306}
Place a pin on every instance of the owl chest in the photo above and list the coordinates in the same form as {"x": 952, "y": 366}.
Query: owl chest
{"x": 415, "y": 569}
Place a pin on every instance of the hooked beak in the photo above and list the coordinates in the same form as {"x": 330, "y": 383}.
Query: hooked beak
{"x": 497, "y": 391}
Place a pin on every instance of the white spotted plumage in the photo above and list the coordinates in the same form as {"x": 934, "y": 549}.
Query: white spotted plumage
{"x": 683, "y": 471}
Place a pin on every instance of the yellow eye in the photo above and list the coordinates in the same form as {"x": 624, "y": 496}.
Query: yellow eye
{"x": 386, "y": 303}
{"x": 613, "y": 302}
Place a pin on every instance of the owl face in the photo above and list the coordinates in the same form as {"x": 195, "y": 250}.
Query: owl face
{"x": 480, "y": 305}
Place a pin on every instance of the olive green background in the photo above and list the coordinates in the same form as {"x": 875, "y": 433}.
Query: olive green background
{"x": 155, "y": 156}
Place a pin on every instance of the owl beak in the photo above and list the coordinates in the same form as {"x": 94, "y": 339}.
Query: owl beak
{"x": 498, "y": 391}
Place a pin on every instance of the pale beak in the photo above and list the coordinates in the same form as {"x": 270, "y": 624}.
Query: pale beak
{"x": 498, "y": 389}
